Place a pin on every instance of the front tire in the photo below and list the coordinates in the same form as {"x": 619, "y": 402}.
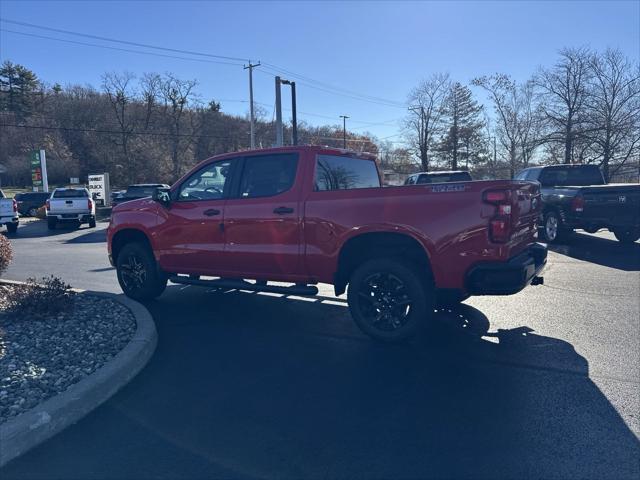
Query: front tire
{"x": 138, "y": 274}
{"x": 389, "y": 300}
{"x": 627, "y": 236}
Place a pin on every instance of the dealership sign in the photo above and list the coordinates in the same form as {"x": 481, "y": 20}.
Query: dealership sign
{"x": 38, "y": 161}
{"x": 100, "y": 189}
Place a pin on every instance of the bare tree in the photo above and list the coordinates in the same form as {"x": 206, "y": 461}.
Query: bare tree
{"x": 177, "y": 96}
{"x": 425, "y": 113}
{"x": 503, "y": 92}
{"x": 613, "y": 107}
{"x": 564, "y": 91}
{"x": 530, "y": 122}
{"x": 121, "y": 95}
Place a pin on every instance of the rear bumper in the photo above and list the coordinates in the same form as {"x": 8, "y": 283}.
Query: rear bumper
{"x": 507, "y": 278}
{"x": 72, "y": 217}
{"x": 6, "y": 220}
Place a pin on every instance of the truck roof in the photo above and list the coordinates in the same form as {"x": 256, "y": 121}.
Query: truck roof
{"x": 296, "y": 148}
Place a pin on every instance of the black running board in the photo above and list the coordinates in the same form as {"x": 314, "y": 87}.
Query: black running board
{"x": 244, "y": 285}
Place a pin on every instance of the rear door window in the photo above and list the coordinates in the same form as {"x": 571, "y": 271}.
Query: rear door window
{"x": 268, "y": 175}
{"x": 335, "y": 172}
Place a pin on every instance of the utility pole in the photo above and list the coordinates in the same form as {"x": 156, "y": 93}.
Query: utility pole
{"x": 422, "y": 140}
{"x": 294, "y": 129}
{"x": 250, "y": 67}
{"x": 344, "y": 131}
{"x": 279, "y": 132}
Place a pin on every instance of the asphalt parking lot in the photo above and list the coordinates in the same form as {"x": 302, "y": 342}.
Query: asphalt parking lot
{"x": 542, "y": 384}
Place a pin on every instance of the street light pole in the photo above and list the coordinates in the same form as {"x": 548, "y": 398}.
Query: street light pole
{"x": 294, "y": 127}
{"x": 344, "y": 131}
{"x": 278, "y": 114}
{"x": 253, "y": 118}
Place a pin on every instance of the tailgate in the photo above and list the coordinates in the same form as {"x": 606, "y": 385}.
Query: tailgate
{"x": 68, "y": 206}
{"x": 6, "y": 207}
{"x": 617, "y": 204}
{"x": 526, "y": 206}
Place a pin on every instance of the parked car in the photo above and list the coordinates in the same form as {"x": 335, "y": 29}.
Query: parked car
{"x": 577, "y": 196}
{"x": 71, "y": 205}
{"x": 134, "y": 192}
{"x": 304, "y": 215}
{"x": 116, "y": 194}
{"x": 8, "y": 213}
{"x": 438, "y": 177}
{"x": 30, "y": 202}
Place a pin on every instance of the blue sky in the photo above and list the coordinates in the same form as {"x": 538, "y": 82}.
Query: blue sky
{"x": 379, "y": 49}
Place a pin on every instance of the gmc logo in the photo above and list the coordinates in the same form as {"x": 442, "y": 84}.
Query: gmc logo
{"x": 622, "y": 199}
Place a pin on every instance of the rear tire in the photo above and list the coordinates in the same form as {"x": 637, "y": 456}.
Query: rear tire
{"x": 92, "y": 223}
{"x": 51, "y": 223}
{"x": 389, "y": 300}
{"x": 627, "y": 236}
{"x": 12, "y": 227}
{"x": 138, "y": 273}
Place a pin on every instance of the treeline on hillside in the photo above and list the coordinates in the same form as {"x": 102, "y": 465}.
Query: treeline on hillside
{"x": 148, "y": 129}
{"x": 583, "y": 109}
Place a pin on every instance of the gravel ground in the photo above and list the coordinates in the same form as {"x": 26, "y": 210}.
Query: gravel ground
{"x": 40, "y": 358}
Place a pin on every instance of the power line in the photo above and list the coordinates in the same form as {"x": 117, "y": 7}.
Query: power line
{"x": 322, "y": 86}
{"x": 115, "y": 132}
{"x": 332, "y": 87}
{"x": 125, "y": 42}
{"x": 75, "y": 42}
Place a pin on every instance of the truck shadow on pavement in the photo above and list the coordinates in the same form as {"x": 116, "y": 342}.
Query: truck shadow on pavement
{"x": 602, "y": 251}
{"x": 248, "y": 385}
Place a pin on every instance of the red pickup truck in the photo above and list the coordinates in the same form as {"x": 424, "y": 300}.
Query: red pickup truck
{"x": 308, "y": 215}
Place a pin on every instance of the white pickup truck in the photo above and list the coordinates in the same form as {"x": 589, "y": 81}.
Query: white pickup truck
{"x": 8, "y": 213}
{"x": 70, "y": 205}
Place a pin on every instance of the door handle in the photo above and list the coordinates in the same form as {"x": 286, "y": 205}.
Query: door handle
{"x": 283, "y": 210}
{"x": 211, "y": 212}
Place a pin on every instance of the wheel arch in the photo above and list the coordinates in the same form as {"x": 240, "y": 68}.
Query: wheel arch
{"x": 379, "y": 244}
{"x": 125, "y": 236}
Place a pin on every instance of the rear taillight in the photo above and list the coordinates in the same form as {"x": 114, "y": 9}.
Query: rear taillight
{"x": 500, "y": 223}
{"x": 48, "y": 205}
{"x": 89, "y": 204}
{"x": 577, "y": 204}
{"x": 15, "y": 206}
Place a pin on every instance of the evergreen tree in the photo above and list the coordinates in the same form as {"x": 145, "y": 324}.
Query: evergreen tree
{"x": 463, "y": 123}
{"x": 17, "y": 88}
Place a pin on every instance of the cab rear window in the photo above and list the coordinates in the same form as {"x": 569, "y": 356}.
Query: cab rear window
{"x": 70, "y": 193}
{"x": 334, "y": 172}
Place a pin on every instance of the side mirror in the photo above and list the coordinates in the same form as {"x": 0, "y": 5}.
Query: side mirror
{"x": 162, "y": 195}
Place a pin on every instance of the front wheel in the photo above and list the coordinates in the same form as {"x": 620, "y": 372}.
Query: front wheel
{"x": 552, "y": 228}
{"x": 627, "y": 236}
{"x": 138, "y": 273}
{"x": 389, "y": 300}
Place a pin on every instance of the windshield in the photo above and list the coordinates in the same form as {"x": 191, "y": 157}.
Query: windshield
{"x": 71, "y": 193}
{"x": 564, "y": 176}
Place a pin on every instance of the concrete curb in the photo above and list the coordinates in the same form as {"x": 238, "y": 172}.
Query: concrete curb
{"x": 22, "y": 433}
